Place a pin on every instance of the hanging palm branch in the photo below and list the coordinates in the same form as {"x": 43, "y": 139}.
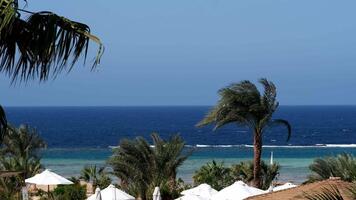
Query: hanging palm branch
{"x": 3, "y": 123}
{"x": 41, "y": 45}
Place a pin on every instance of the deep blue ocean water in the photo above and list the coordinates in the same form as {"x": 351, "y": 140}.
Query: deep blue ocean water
{"x": 65, "y": 127}
{"x": 79, "y": 136}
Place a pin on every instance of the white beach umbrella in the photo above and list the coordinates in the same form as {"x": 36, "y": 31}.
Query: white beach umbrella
{"x": 271, "y": 160}
{"x": 191, "y": 197}
{"x": 48, "y": 178}
{"x": 237, "y": 191}
{"x": 284, "y": 186}
{"x": 96, "y": 196}
{"x": 203, "y": 190}
{"x": 156, "y": 194}
{"x": 112, "y": 193}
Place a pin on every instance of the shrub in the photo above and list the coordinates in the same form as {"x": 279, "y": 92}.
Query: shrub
{"x": 343, "y": 166}
{"x": 215, "y": 174}
{"x": 219, "y": 176}
{"x": 70, "y": 192}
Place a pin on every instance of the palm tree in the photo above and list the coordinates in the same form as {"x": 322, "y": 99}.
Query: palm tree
{"x": 140, "y": 167}
{"x": 20, "y": 153}
{"x": 96, "y": 175}
{"x": 343, "y": 166}
{"x": 244, "y": 171}
{"x": 243, "y": 104}
{"x": 214, "y": 174}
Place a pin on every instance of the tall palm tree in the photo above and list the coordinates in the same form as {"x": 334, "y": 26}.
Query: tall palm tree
{"x": 141, "y": 167}
{"x": 21, "y": 146}
{"x": 244, "y": 105}
{"x": 20, "y": 152}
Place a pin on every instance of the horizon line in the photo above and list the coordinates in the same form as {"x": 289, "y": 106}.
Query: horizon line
{"x": 296, "y": 105}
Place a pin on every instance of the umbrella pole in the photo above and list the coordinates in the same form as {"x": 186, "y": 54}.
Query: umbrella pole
{"x": 48, "y": 191}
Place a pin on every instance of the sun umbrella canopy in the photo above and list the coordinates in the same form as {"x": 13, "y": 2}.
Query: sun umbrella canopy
{"x": 191, "y": 197}
{"x": 237, "y": 191}
{"x": 112, "y": 193}
{"x": 284, "y": 186}
{"x": 203, "y": 190}
{"x": 96, "y": 196}
{"x": 48, "y": 178}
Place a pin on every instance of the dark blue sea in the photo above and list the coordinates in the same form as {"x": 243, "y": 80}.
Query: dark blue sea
{"x": 78, "y": 136}
{"x": 95, "y": 127}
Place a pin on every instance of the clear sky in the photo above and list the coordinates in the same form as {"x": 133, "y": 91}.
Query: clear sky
{"x": 165, "y": 52}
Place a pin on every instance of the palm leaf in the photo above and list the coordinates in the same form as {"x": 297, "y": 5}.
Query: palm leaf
{"x": 42, "y": 45}
{"x": 3, "y": 123}
{"x": 283, "y": 123}
{"x": 327, "y": 193}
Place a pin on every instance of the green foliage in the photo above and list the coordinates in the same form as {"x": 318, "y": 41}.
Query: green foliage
{"x": 343, "y": 166}
{"x": 243, "y": 104}
{"x": 214, "y": 174}
{"x": 19, "y": 152}
{"x": 332, "y": 192}
{"x": 3, "y": 123}
{"x": 244, "y": 171}
{"x": 219, "y": 176}
{"x": 95, "y": 175}
{"x": 70, "y": 192}
{"x": 41, "y": 43}
{"x": 141, "y": 167}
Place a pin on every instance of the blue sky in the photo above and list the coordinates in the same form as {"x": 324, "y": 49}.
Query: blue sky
{"x": 164, "y": 52}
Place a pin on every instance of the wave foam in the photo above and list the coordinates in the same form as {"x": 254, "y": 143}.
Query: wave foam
{"x": 264, "y": 146}
{"x": 280, "y": 146}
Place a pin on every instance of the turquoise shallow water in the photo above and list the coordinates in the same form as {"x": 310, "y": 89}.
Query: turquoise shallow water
{"x": 294, "y": 160}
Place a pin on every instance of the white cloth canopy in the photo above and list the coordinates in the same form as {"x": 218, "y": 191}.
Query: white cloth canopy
{"x": 191, "y": 197}
{"x": 112, "y": 193}
{"x": 284, "y": 187}
{"x": 237, "y": 191}
{"x": 48, "y": 178}
{"x": 203, "y": 190}
{"x": 96, "y": 196}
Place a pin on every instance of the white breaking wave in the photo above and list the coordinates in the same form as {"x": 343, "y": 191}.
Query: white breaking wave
{"x": 264, "y": 146}
{"x": 279, "y": 146}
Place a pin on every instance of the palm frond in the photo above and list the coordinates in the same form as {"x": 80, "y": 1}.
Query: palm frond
{"x": 343, "y": 166}
{"x": 43, "y": 45}
{"x": 3, "y": 123}
{"x": 283, "y": 123}
{"x": 140, "y": 166}
{"x": 327, "y": 193}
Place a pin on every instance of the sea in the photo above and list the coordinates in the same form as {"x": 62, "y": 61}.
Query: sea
{"x": 80, "y": 136}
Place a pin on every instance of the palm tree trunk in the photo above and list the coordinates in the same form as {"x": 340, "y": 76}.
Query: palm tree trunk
{"x": 257, "y": 150}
